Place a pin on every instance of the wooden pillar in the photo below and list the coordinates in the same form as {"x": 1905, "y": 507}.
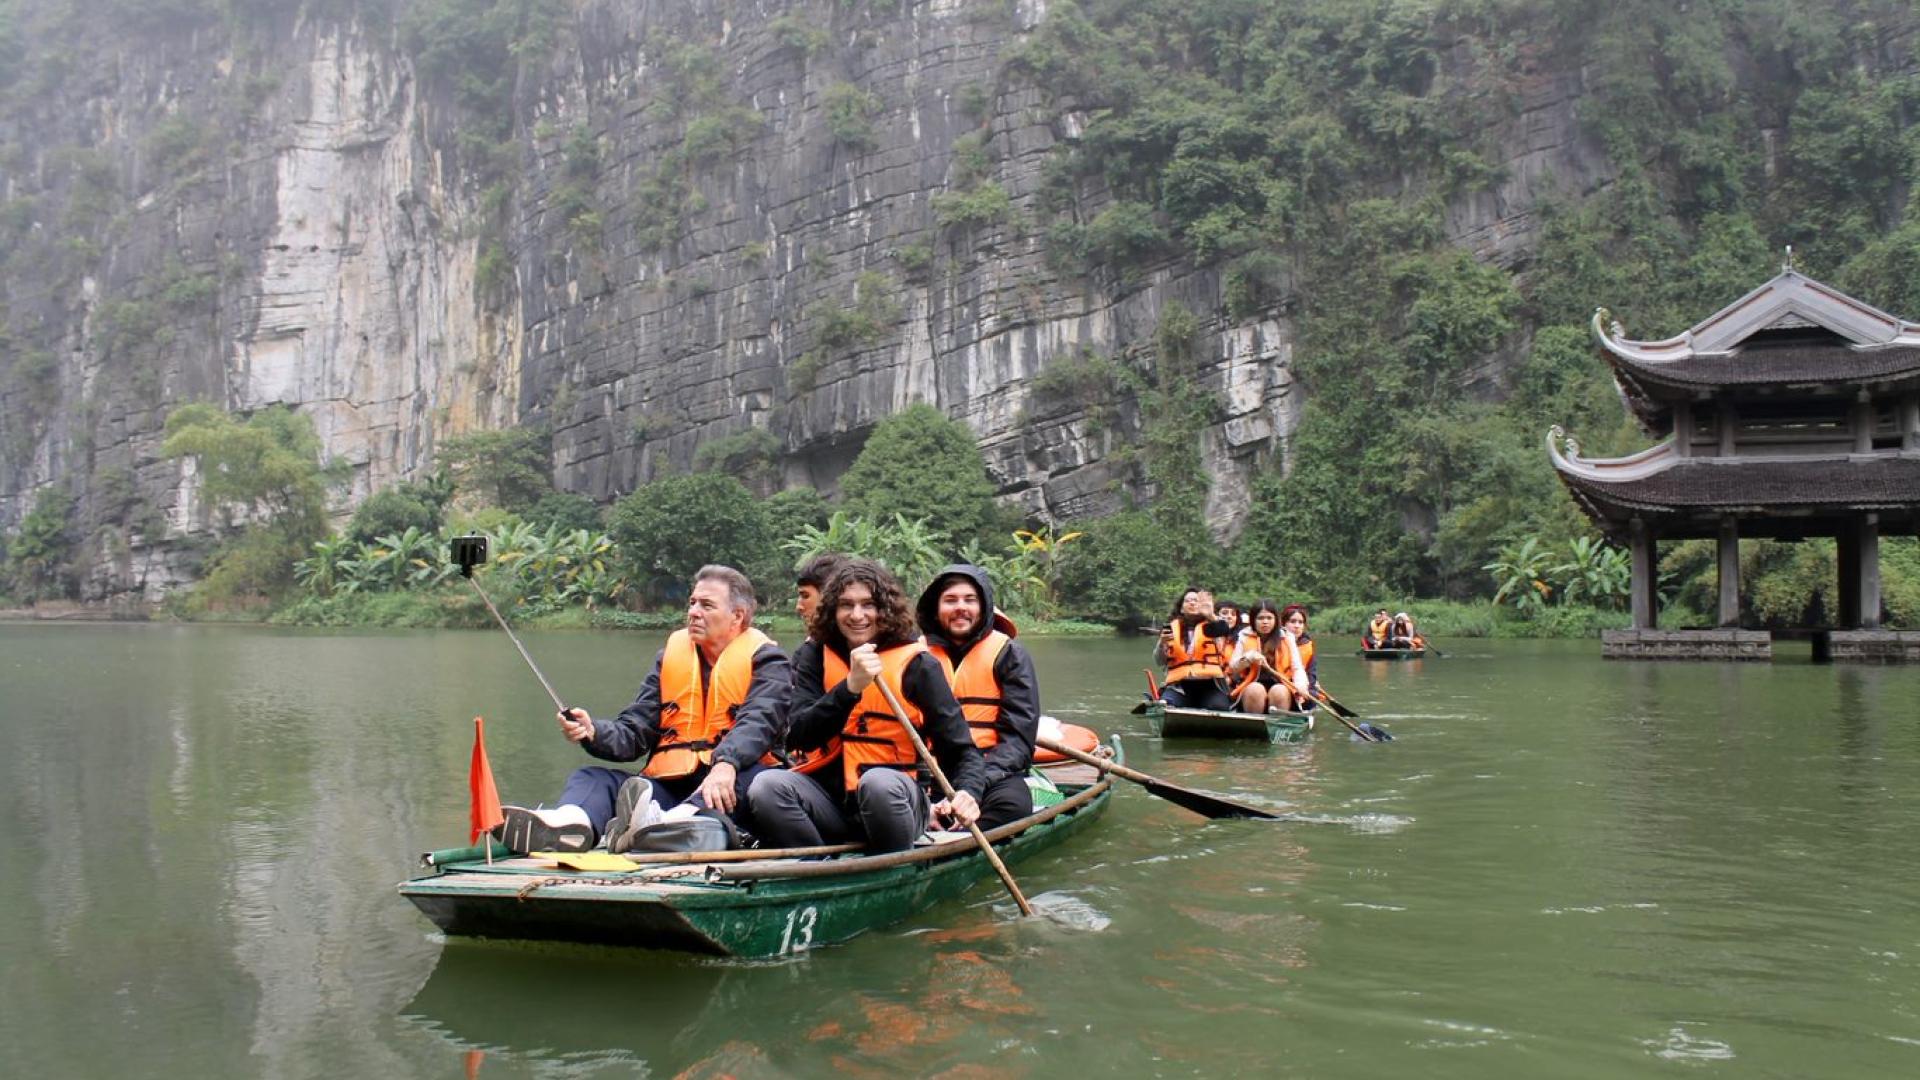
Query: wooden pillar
{"x": 1862, "y": 424}
{"x": 1910, "y": 424}
{"x": 1646, "y": 577}
{"x": 1683, "y": 429}
{"x": 1866, "y": 561}
{"x": 1729, "y": 419}
{"x": 1847, "y": 562}
{"x": 1729, "y": 574}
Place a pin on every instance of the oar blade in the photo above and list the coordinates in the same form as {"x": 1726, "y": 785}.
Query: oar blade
{"x": 1210, "y": 806}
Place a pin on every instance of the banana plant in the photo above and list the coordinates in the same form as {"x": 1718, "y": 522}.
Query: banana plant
{"x": 1522, "y": 576}
{"x": 1594, "y": 572}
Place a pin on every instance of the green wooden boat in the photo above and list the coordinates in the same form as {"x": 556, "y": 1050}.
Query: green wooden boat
{"x": 732, "y": 904}
{"x": 1393, "y": 654}
{"x": 1176, "y": 723}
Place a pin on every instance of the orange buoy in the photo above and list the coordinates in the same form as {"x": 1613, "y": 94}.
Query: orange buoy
{"x": 1081, "y": 739}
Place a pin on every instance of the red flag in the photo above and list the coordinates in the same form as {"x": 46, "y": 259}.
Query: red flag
{"x": 485, "y": 812}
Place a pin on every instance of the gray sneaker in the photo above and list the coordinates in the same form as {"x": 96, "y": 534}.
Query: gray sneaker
{"x": 529, "y": 830}
{"x": 633, "y": 809}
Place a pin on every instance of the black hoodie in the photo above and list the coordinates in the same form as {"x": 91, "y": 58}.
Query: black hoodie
{"x": 1019, "y": 690}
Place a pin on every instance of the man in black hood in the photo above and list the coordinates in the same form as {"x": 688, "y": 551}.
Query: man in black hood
{"x": 992, "y": 676}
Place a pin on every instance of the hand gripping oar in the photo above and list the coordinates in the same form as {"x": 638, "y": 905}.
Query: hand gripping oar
{"x": 471, "y": 551}
{"x": 926, "y": 758}
{"x": 1211, "y": 806}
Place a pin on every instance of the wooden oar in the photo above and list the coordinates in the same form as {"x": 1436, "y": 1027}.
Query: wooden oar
{"x": 1367, "y": 732}
{"x": 940, "y": 777}
{"x": 1338, "y": 709}
{"x": 1211, "y": 806}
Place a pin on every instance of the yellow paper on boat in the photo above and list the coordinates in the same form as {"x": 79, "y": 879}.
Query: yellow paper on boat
{"x": 587, "y": 860}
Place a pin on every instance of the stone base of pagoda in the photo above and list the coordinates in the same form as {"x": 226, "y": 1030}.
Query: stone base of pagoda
{"x": 1686, "y": 645}
{"x": 1874, "y": 646}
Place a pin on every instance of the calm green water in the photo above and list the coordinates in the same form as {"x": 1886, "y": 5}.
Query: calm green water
{"x": 1562, "y": 867}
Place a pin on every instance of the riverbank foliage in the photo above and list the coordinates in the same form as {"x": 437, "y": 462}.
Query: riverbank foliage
{"x": 1329, "y": 164}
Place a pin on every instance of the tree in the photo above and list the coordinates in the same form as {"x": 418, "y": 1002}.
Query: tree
{"x": 399, "y": 508}
{"x": 509, "y": 468}
{"x": 921, "y": 465}
{"x": 565, "y": 511}
{"x": 36, "y": 566}
{"x": 670, "y": 528}
{"x": 1124, "y": 569}
{"x": 264, "y": 471}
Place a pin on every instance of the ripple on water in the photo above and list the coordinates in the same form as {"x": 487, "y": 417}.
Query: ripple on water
{"x": 1066, "y": 909}
{"x": 1682, "y": 1045}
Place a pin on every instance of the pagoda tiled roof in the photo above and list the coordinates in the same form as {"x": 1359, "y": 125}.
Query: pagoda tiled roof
{"x": 1779, "y": 365}
{"x": 1658, "y": 481}
{"x": 1866, "y": 482}
{"x": 1791, "y": 332}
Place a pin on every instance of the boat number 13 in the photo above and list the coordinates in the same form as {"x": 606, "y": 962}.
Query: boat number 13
{"x": 798, "y": 936}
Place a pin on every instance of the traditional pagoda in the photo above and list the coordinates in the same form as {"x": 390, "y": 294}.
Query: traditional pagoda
{"x": 1792, "y": 412}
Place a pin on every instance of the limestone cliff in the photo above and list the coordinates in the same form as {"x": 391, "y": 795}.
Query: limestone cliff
{"x": 291, "y": 208}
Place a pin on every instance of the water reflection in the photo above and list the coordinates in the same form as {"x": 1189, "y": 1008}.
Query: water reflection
{"x": 208, "y": 824}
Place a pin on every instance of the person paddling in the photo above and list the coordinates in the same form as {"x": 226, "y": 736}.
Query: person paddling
{"x": 863, "y": 634}
{"x": 1252, "y": 660}
{"x": 710, "y": 710}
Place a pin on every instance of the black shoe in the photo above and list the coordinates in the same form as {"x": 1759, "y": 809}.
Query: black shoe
{"x": 527, "y": 831}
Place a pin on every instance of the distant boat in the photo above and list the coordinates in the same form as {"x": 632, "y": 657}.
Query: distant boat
{"x": 1394, "y": 654}
{"x": 732, "y": 903}
{"x": 1170, "y": 722}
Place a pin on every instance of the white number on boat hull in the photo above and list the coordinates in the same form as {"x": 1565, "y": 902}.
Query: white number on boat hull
{"x": 803, "y": 921}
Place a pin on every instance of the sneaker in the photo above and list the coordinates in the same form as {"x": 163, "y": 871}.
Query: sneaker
{"x": 633, "y": 809}
{"x": 552, "y": 829}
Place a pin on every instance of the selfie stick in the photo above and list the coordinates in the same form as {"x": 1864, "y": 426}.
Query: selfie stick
{"x": 467, "y": 562}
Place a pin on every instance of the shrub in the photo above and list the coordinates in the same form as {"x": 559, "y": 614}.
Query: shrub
{"x": 392, "y": 510}
{"x": 667, "y": 530}
{"x": 509, "y": 468}
{"x": 566, "y": 512}
{"x": 922, "y": 465}
{"x": 850, "y": 112}
{"x": 965, "y": 209}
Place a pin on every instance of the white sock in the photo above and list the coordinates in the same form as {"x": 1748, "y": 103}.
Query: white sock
{"x": 566, "y": 814}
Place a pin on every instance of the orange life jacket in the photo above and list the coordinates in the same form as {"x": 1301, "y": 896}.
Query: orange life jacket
{"x": 693, "y": 716}
{"x": 1290, "y": 660}
{"x": 976, "y": 687}
{"x": 1206, "y": 660}
{"x": 1377, "y": 631}
{"x": 872, "y": 737}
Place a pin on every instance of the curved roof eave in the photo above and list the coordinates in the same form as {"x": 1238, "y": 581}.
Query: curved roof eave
{"x": 1787, "y": 294}
{"x": 1655, "y": 459}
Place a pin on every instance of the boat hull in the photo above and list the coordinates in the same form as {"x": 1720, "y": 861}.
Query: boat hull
{"x": 752, "y": 910}
{"x": 1175, "y": 723}
{"x": 1393, "y": 654}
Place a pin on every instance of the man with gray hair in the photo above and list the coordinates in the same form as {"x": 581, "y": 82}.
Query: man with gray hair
{"x": 706, "y": 719}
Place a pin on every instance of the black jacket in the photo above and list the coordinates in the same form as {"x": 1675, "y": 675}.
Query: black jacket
{"x": 758, "y": 724}
{"x": 1019, "y": 722}
{"x": 820, "y": 712}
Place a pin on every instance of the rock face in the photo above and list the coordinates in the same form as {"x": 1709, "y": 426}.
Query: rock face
{"x": 288, "y": 212}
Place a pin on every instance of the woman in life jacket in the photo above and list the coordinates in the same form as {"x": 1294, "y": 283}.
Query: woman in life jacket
{"x": 1404, "y": 636}
{"x": 1298, "y": 682}
{"x": 863, "y": 635}
{"x": 1252, "y": 660}
{"x": 1196, "y": 649}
